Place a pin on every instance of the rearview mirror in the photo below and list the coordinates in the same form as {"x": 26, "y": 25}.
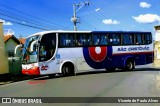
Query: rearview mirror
{"x": 33, "y": 46}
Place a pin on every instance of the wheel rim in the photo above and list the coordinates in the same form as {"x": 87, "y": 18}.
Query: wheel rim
{"x": 129, "y": 65}
{"x": 66, "y": 70}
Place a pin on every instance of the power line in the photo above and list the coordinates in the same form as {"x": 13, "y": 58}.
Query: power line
{"x": 87, "y": 23}
{"x": 103, "y": 16}
{"x": 3, "y": 14}
{"x": 95, "y": 13}
{"x": 24, "y": 24}
{"x": 33, "y": 16}
{"x": 51, "y": 11}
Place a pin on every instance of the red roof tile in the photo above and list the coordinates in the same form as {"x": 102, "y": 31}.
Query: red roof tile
{"x": 7, "y": 37}
{"x": 22, "y": 40}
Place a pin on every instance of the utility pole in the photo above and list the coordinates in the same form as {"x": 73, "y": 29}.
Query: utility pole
{"x": 75, "y": 19}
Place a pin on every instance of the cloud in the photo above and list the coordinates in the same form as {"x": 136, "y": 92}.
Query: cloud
{"x": 98, "y": 9}
{"x": 8, "y": 32}
{"x": 146, "y": 18}
{"x": 5, "y": 22}
{"x": 110, "y": 21}
{"x": 145, "y": 5}
{"x": 23, "y": 22}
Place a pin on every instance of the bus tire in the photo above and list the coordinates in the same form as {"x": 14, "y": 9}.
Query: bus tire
{"x": 129, "y": 65}
{"x": 68, "y": 69}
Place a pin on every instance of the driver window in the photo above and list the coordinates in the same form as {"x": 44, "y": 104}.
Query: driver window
{"x": 47, "y": 46}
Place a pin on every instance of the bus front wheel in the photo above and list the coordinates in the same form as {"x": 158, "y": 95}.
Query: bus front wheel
{"x": 68, "y": 69}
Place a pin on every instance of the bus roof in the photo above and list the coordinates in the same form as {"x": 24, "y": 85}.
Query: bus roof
{"x": 121, "y": 32}
{"x": 60, "y": 31}
{"x": 66, "y": 31}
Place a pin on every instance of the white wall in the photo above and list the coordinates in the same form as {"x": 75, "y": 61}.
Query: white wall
{"x": 157, "y": 35}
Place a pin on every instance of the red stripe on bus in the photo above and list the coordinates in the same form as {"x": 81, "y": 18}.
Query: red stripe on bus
{"x": 34, "y": 71}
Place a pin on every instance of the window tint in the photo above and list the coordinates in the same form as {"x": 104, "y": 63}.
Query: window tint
{"x": 127, "y": 39}
{"x": 75, "y": 39}
{"x": 96, "y": 39}
{"x": 88, "y": 39}
{"x": 47, "y": 46}
{"x": 83, "y": 39}
{"x": 67, "y": 40}
{"x": 100, "y": 39}
{"x": 114, "y": 39}
{"x": 103, "y": 39}
{"x": 138, "y": 39}
{"x": 147, "y": 38}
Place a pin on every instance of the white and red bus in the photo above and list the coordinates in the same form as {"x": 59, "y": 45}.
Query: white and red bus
{"x": 70, "y": 52}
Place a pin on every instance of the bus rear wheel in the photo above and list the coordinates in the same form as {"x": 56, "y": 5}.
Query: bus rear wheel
{"x": 129, "y": 65}
{"x": 68, "y": 69}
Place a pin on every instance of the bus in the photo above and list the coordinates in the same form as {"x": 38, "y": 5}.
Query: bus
{"x": 71, "y": 52}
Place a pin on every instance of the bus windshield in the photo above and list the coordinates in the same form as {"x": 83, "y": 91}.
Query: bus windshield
{"x": 30, "y": 50}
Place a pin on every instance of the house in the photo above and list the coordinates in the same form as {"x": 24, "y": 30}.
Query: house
{"x": 11, "y": 42}
{"x": 13, "y": 51}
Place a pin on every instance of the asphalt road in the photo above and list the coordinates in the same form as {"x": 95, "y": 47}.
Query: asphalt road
{"x": 142, "y": 82}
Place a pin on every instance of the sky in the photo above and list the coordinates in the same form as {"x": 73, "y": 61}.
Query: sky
{"x": 26, "y": 17}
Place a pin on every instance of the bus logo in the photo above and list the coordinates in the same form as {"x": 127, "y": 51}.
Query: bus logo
{"x": 96, "y": 57}
{"x": 44, "y": 68}
{"x": 97, "y": 54}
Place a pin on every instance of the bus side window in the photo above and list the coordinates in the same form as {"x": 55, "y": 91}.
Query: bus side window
{"x": 96, "y": 39}
{"x": 104, "y": 39}
{"x": 131, "y": 38}
{"x": 116, "y": 39}
{"x": 138, "y": 39}
{"x": 147, "y": 38}
{"x": 62, "y": 40}
{"x": 127, "y": 39}
{"x": 79, "y": 39}
{"x": 83, "y": 40}
{"x": 67, "y": 40}
{"x": 72, "y": 41}
{"x": 88, "y": 39}
{"x": 110, "y": 39}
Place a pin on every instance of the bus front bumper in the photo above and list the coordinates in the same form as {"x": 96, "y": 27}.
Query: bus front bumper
{"x": 33, "y": 71}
